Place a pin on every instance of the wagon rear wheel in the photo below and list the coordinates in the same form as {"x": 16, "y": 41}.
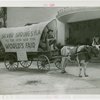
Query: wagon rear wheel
{"x": 43, "y": 63}
{"x": 26, "y": 64}
{"x": 10, "y": 62}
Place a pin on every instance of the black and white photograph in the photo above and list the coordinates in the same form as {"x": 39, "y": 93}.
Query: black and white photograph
{"x": 49, "y": 50}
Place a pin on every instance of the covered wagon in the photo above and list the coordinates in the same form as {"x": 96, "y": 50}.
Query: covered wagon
{"x": 29, "y": 43}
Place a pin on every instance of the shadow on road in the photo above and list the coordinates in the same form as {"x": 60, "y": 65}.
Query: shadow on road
{"x": 58, "y": 74}
{"x": 31, "y": 70}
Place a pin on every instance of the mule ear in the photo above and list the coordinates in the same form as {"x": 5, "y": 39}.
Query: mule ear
{"x": 93, "y": 43}
{"x": 98, "y": 47}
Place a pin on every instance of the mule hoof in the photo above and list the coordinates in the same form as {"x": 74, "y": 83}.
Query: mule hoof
{"x": 63, "y": 72}
{"x": 86, "y": 75}
{"x": 80, "y": 75}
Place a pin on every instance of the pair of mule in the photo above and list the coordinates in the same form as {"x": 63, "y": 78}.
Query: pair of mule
{"x": 82, "y": 54}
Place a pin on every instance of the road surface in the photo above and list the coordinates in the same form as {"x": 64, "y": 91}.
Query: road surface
{"x": 34, "y": 81}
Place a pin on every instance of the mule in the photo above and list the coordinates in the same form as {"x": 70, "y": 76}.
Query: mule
{"x": 82, "y": 54}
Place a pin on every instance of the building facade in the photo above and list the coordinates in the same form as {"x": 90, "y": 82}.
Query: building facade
{"x": 79, "y": 24}
{"x": 19, "y": 16}
{"x": 75, "y": 25}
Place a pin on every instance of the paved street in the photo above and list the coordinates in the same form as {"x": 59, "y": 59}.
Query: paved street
{"x": 33, "y": 81}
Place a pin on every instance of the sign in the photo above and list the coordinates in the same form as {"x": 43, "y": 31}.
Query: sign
{"x": 25, "y": 38}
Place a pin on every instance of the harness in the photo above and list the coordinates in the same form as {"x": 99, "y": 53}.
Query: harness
{"x": 76, "y": 53}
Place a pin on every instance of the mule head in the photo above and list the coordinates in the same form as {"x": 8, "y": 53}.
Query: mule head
{"x": 95, "y": 50}
{"x": 96, "y": 42}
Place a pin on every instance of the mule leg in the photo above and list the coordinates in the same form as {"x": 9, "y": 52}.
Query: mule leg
{"x": 80, "y": 67}
{"x": 63, "y": 65}
{"x": 80, "y": 70}
{"x": 85, "y": 67}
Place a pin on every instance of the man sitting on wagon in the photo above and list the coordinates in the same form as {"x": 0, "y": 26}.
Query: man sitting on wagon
{"x": 51, "y": 41}
{"x": 47, "y": 41}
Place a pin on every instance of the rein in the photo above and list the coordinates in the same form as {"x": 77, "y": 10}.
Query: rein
{"x": 80, "y": 52}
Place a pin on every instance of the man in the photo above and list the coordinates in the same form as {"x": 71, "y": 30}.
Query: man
{"x": 68, "y": 53}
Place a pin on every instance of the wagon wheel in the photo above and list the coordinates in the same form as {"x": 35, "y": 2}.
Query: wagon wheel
{"x": 58, "y": 63}
{"x": 43, "y": 63}
{"x": 26, "y": 64}
{"x": 2, "y": 51}
{"x": 10, "y": 62}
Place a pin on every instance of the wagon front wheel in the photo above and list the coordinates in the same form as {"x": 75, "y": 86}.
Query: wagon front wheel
{"x": 43, "y": 63}
{"x": 58, "y": 63}
{"x": 26, "y": 64}
{"x": 10, "y": 62}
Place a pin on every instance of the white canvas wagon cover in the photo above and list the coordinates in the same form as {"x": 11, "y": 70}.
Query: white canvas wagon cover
{"x": 24, "y": 38}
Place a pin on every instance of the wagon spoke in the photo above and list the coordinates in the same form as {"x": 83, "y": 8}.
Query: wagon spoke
{"x": 15, "y": 64}
{"x": 14, "y": 67}
{"x": 41, "y": 67}
{"x": 7, "y": 66}
{"x": 23, "y": 62}
{"x": 47, "y": 67}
